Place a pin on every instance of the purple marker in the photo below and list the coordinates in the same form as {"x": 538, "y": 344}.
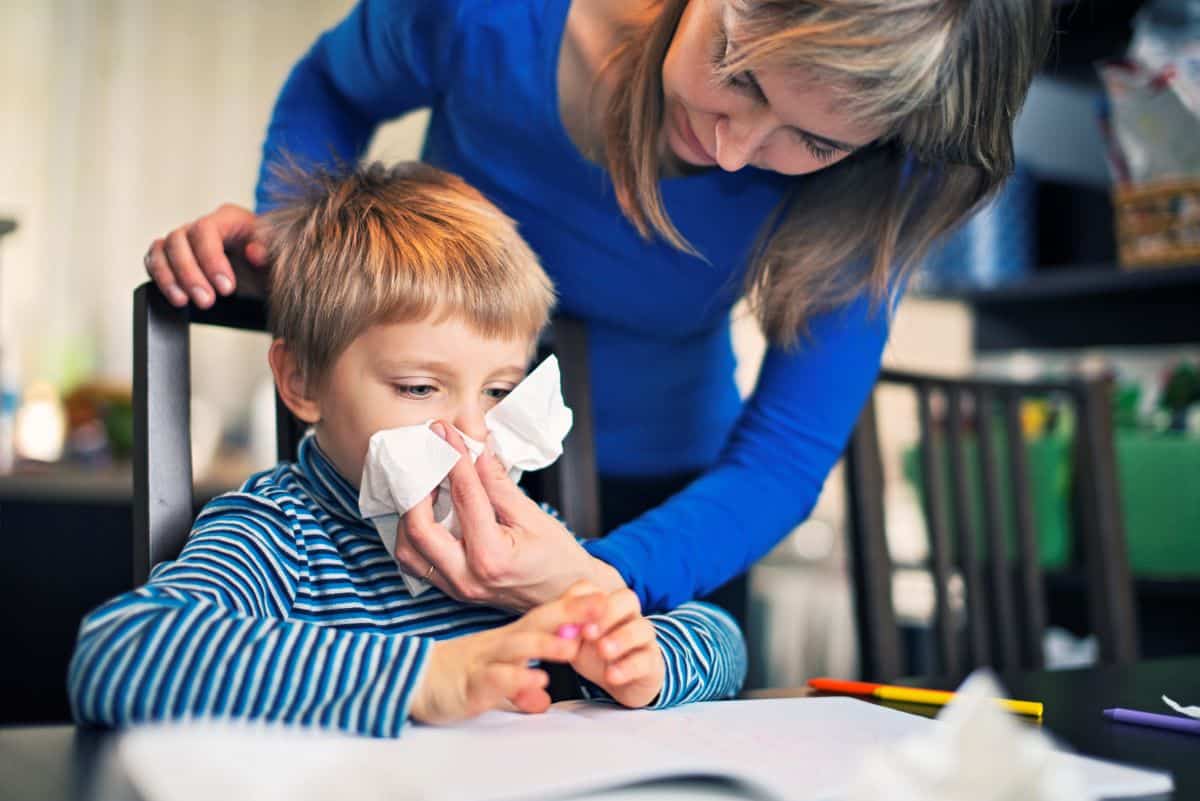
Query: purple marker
{"x": 1173, "y": 722}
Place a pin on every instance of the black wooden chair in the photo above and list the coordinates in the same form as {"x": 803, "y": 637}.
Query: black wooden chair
{"x": 1005, "y": 610}
{"x": 162, "y": 467}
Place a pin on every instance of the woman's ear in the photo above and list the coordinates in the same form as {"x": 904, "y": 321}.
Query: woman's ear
{"x": 290, "y": 383}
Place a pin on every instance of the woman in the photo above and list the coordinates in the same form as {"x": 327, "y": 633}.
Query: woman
{"x": 662, "y": 164}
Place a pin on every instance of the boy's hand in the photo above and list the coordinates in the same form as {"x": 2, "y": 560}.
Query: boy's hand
{"x": 620, "y": 652}
{"x": 470, "y": 675}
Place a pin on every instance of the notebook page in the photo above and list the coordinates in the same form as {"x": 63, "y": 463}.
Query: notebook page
{"x": 787, "y": 749}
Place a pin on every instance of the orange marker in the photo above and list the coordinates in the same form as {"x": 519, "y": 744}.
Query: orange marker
{"x": 913, "y": 695}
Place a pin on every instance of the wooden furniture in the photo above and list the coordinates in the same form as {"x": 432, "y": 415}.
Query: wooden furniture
{"x": 1005, "y": 605}
{"x": 66, "y": 763}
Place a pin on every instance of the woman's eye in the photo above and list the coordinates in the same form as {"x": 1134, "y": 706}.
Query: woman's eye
{"x": 741, "y": 80}
{"x": 415, "y": 390}
{"x": 819, "y": 152}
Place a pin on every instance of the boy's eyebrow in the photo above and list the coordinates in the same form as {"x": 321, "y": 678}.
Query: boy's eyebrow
{"x": 415, "y": 364}
{"x": 432, "y": 365}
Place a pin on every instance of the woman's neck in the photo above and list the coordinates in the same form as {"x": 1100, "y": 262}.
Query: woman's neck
{"x": 590, "y": 35}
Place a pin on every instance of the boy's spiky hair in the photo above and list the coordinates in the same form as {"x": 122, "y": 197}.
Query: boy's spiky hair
{"x": 354, "y": 248}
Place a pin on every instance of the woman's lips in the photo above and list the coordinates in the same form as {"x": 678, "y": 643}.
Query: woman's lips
{"x": 695, "y": 150}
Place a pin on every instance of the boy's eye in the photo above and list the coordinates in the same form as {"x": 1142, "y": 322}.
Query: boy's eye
{"x": 497, "y": 393}
{"x": 415, "y": 390}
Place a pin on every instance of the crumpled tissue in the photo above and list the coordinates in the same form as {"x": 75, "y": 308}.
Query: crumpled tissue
{"x": 406, "y": 464}
{"x": 1190, "y": 711}
{"x": 979, "y": 752}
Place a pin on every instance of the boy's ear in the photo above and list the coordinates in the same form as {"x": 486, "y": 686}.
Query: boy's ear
{"x": 290, "y": 383}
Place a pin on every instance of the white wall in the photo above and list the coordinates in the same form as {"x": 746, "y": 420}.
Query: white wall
{"x": 120, "y": 119}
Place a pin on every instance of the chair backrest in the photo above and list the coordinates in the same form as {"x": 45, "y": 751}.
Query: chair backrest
{"x": 163, "y": 507}
{"x": 1005, "y": 609}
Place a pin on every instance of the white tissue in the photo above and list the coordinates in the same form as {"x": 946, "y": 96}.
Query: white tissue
{"x": 404, "y": 465}
{"x": 1190, "y": 711}
{"x": 979, "y": 752}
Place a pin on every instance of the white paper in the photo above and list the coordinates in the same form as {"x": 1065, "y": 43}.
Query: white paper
{"x": 791, "y": 749}
{"x": 406, "y": 464}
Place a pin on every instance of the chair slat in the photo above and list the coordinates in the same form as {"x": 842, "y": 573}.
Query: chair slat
{"x": 162, "y": 511}
{"x": 965, "y": 532}
{"x": 881, "y": 656}
{"x": 1003, "y": 617}
{"x": 1030, "y": 588}
{"x": 939, "y": 541}
{"x": 1111, "y": 602}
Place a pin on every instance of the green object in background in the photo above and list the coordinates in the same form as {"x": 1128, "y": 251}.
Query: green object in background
{"x": 1048, "y": 460}
{"x": 1159, "y": 475}
{"x": 1160, "y": 501}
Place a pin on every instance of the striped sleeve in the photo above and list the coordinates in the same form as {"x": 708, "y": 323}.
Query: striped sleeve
{"x": 704, "y": 652}
{"x": 208, "y": 636}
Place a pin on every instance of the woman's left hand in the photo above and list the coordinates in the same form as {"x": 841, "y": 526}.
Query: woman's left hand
{"x": 512, "y": 554}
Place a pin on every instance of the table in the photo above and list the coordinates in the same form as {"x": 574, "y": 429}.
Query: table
{"x": 62, "y": 763}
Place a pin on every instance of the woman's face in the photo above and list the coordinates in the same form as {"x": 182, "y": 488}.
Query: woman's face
{"x": 778, "y": 120}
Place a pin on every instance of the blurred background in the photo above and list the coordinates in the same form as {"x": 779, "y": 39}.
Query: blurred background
{"x": 121, "y": 119}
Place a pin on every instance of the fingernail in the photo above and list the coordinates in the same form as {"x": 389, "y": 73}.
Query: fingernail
{"x": 617, "y": 674}
{"x": 489, "y": 445}
{"x": 177, "y": 296}
{"x": 591, "y": 631}
{"x": 224, "y": 285}
{"x": 439, "y": 429}
{"x": 567, "y": 631}
{"x": 202, "y": 296}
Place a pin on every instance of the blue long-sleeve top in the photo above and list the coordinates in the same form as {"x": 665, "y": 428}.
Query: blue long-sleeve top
{"x": 285, "y": 606}
{"x": 658, "y": 320}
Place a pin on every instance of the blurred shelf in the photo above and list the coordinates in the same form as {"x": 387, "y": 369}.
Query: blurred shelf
{"x": 1085, "y": 306}
{"x": 111, "y": 484}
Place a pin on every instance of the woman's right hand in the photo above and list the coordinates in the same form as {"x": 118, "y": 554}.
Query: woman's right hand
{"x": 190, "y": 262}
{"x": 470, "y": 675}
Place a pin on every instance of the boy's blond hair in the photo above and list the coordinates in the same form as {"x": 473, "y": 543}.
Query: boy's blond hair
{"x": 352, "y": 249}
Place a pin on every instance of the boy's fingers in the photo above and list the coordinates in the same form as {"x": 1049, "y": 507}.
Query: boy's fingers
{"x": 524, "y": 646}
{"x": 498, "y": 682}
{"x": 532, "y": 701}
{"x": 577, "y": 610}
{"x": 623, "y": 605}
{"x": 581, "y": 587}
{"x": 633, "y": 666}
{"x": 628, "y": 637}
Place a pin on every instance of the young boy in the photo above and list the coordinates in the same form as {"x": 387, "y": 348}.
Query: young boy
{"x": 397, "y": 296}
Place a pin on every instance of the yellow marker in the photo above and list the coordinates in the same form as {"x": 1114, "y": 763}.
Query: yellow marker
{"x": 914, "y": 695}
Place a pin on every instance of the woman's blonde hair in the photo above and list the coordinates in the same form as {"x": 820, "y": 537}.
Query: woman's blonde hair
{"x": 944, "y": 78}
{"x": 354, "y": 248}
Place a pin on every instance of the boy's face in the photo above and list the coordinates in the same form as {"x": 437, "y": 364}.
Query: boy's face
{"x": 402, "y": 374}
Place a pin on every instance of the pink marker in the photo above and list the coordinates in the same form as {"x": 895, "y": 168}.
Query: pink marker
{"x": 568, "y": 631}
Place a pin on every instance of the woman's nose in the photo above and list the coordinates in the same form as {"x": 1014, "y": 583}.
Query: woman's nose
{"x": 738, "y": 140}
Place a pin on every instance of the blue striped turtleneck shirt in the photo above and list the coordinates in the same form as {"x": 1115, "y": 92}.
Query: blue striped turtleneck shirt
{"x": 284, "y": 606}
